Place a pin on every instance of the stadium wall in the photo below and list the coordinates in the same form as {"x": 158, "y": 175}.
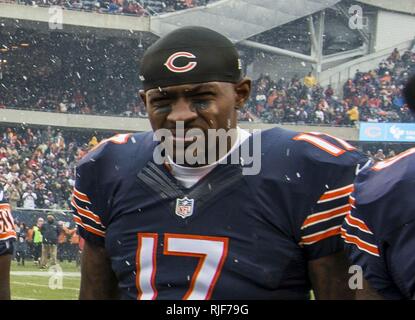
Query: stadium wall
{"x": 123, "y": 124}
{"x": 75, "y": 18}
{"x": 337, "y": 76}
{"x": 393, "y": 28}
{"x": 277, "y": 66}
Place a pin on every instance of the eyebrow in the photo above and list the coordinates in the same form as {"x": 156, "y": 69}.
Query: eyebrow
{"x": 202, "y": 89}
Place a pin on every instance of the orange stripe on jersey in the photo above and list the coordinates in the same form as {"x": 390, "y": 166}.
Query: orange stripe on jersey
{"x": 352, "y": 201}
{"x": 6, "y": 219}
{"x": 384, "y": 164}
{"x": 7, "y": 235}
{"x": 326, "y": 215}
{"x": 86, "y": 213}
{"x": 121, "y": 138}
{"x": 320, "y": 143}
{"x": 354, "y": 222}
{"x": 81, "y": 196}
{"x": 5, "y": 206}
{"x": 88, "y": 228}
{"x": 344, "y": 143}
{"x": 318, "y": 236}
{"x": 336, "y": 194}
{"x": 362, "y": 245}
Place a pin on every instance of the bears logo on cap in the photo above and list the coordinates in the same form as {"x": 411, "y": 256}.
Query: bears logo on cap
{"x": 182, "y": 54}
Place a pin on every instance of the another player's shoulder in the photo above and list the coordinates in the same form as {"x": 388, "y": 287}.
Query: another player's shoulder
{"x": 383, "y": 192}
{"x": 313, "y": 146}
{"x": 120, "y": 146}
{"x": 386, "y": 177}
{"x": 7, "y": 228}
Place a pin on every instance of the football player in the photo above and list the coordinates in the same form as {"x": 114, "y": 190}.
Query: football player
{"x": 380, "y": 231}
{"x": 206, "y": 230}
{"x": 7, "y": 237}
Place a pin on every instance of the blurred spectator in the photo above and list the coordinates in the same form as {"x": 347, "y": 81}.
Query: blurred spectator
{"x": 379, "y": 156}
{"x": 14, "y": 193}
{"x": 37, "y": 241}
{"x": 353, "y": 114}
{"x": 29, "y": 198}
{"x": 93, "y": 142}
{"x": 395, "y": 56}
{"x": 310, "y": 81}
{"x": 21, "y": 243}
{"x": 50, "y": 232}
{"x": 75, "y": 250}
{"x": 391, "y": 154}
{"x": 63, "y": 249}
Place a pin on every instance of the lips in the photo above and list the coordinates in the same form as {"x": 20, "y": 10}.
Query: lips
{"x": 185, "y": 137}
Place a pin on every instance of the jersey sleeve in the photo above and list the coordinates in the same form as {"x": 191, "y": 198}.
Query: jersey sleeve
{"x": 337, "y": 164}
{"x": 379, "y": 233}
{"x": 86, "y": 203}
{"x": 7, "y": 230}
{"x": 94, "y": 178}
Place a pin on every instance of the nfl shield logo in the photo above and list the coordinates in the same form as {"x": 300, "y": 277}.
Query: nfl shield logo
{"x": 184, "y": 207}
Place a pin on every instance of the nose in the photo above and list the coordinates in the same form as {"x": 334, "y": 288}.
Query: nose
{"x": 182, "y": 111}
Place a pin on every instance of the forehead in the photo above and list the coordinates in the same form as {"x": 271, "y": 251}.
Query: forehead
{"x": 189, "y": 88}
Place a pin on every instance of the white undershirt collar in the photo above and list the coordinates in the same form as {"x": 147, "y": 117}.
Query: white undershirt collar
{"x": 189, "y": 176}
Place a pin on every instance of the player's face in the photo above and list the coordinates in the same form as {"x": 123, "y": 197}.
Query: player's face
{"x": 211, "y": 105}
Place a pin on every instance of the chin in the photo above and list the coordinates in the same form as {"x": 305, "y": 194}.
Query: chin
{"x": 182, "y": 158}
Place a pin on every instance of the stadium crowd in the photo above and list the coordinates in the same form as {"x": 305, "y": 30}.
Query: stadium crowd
{"x": 76, "y": 75}
{"x": 125, "y": 7}
{"x": 69, "y": 78}
{"x": 372, "y": 96}
{"x": 37, "y": 165}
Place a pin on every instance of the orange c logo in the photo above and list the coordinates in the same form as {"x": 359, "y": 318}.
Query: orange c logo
{"x": 170, "y": 62}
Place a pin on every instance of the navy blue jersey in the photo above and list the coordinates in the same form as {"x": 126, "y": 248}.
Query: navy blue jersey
{"x": 380, "y": 231}
{"x": 248, "y": 236}
{"x": 7, "y": 228}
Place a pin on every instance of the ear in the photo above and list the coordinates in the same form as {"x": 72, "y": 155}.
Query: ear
{"x": 242, "y": 91}
{"x": 143, "y": 96}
